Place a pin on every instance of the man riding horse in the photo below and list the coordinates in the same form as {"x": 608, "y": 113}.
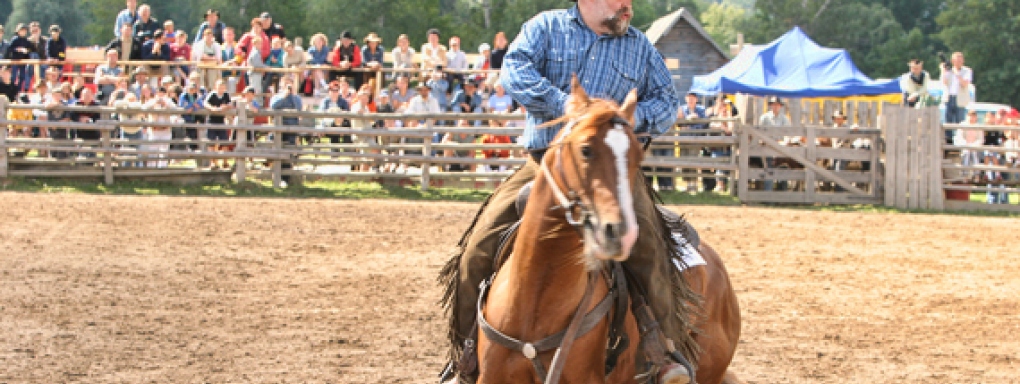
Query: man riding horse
{"x": 594, "y": 41}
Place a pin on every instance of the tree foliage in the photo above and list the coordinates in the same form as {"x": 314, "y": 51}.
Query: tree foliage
{"x": 68, "y": 14}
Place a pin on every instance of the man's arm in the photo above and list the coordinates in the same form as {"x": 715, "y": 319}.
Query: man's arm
{"x": 521, "y": 78}
{"x": 658, "y": 100}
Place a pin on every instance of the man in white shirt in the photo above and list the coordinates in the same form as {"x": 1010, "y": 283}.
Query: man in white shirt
{"x": 915, "y": 83}
{"x": 456, "y": 60}
{"x": 957, "y": 79}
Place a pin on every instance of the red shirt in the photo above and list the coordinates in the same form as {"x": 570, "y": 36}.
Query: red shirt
{"x": 496, "y": 153}
{"x": 245, "y": 44}
{"x": 351, "y": 53}
{"x": 182, "y": 52}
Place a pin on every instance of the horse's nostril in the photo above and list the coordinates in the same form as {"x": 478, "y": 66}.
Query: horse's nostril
{"x": 613, "y": 230}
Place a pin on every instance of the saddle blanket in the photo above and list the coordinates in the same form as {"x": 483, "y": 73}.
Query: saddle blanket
{"x": 690, "y": 254}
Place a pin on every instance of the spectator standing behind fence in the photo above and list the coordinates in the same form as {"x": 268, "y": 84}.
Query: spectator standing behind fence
{"x": 156, "y": 49}
{"x": 6, "y": 87}
{"x": 335, "y": 101}
{"x": 275, "y": 61}
{"x": 467, "y": 100}
{"x": 191, "y": 102}
{"x": 255, "y": 62}
{"x": 456, "y": 60}
{"x": 957, "y": 79}
{"x": 433, "y": 54}
{"x": 439, "y": 87}
{"x": 247, "y": 44}
{"x": 212, "y": 23}
{"x": 317, "y": 54}
{"x": 3, "y": 42}
{"x": 971, "y": 138}
{"x": 482, "y": 63}
{"x": 20, "y": 48}
{"x": 272, "y": 30}
{"x": 364, "y": 106}
{"x": 180, "y": 51}
{"x": 159, "y": 132}
{"x": 39, "y": 52}
{"x": 287, "y": 100}
{"x": 206, "y": 52}
{"x": 916, "y": 83}
{"x": 372, "y": 56}
{"x": 125, "y": 46}
{"x": 345, "y": 57}
{"x": 294, "y": 57}
{"x": 128, "y": 16}
{"x": 773, "y": 118}
{"x": 691, "y": 110}
{"x": 106, "y": 76}
{"x": 56, "y": 46}
{"x": 52, "y": 114}
{"x": 401, "y": 95}
{"x": 218, "y": 102}
{"x": 145, "y": 26}
{"x": 87, "y": 99}
{"x": 403, "y": 55}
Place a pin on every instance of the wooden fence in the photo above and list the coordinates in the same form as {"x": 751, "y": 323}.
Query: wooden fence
{"x": 308, "y": 159}
{"x": 913, "y": 163}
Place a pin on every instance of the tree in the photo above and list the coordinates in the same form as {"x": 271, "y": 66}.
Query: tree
{"x": 986, "y": 31}
{"x": 68, "y": 14}
{"x": 723, "y": 21}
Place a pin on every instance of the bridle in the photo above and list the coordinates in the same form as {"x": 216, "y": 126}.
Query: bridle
{"x": 577, "y": 212}
{"x": 581, "y": 323}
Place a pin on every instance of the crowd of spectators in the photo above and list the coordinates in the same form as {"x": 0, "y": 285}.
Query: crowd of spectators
{"x": 174, "y": 77}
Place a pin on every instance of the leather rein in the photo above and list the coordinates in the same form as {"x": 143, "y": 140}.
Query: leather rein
{"x": 581, "y": 323}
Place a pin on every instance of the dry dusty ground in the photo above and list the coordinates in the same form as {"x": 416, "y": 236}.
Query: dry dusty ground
{"x": 155, "y": 289}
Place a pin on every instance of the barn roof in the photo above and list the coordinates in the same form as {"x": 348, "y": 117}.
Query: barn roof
{"x": 664, "y": 24}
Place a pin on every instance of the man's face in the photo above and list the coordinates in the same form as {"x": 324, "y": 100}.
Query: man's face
{"x": 957, "y": 60}
{"x": 455, "y": 44}
{"x": 212, "y": 18}
{"x": 132, "y": 4}
{"x": 402, "y": 82}
{"x": 86, "y": 96}
{"x": 228, "y": 35}
{"x": 267, "y": 22}
{"x": 111, "y": 56}
{"x": 36, "y": 30}
{"x": 916, "y": 68}
{"x": 433, "y": 38}
{"x": 972, "y": 118}
{"x": 346, "y": 42}
{"x": 469, "y": 88}
{"x": 775, "y": 107}
{"x": 614, "y": 15}
{"x": 144, "y": 13}
{"x": 692, "y": 100}
{"x": 52, "y": 75}
{"x": 125, "y": 31}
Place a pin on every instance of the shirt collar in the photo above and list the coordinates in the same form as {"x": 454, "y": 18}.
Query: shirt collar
{"x": 574, "y": 13}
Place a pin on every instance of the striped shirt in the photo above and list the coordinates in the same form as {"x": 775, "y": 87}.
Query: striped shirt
{"x": 556, "y": 44}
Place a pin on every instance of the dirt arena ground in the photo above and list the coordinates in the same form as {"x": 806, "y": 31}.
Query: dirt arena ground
{"x": 124, "y": 289}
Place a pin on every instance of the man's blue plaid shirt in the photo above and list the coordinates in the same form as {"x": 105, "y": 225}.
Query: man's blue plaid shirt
{"x": 556, "y": 44}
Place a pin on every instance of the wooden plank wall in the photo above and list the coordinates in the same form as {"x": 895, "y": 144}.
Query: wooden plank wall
{"x": 913, "y": 176}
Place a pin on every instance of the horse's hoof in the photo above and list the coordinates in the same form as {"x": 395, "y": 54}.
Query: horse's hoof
{"x": 674, "y": 374}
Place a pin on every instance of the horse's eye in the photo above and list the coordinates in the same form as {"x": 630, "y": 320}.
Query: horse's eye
{"x": 586, "y": 152}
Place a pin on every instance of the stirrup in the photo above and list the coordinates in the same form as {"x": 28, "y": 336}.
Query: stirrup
{"x": 680, "y": 359}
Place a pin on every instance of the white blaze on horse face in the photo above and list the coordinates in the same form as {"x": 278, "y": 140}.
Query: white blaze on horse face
{"x": 619, "y": 143}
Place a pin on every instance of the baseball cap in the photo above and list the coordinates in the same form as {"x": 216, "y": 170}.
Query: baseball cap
{"x": 265, "y": 15}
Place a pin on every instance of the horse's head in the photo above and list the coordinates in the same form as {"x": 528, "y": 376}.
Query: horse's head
{"x": 591, "y": 166}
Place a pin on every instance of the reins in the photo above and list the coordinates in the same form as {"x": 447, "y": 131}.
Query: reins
{"x": 580, "y": 323}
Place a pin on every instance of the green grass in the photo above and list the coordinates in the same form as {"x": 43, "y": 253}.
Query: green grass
{"x": 367, "y": 190}
{"x": 334, "y": 190}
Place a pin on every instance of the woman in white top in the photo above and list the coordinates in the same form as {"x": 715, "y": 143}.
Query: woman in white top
{"x": 160, "y": 132}
{"x": 403, "y": 54}
{"x": 362, "y": 105}
{"x": 207, "y": 52}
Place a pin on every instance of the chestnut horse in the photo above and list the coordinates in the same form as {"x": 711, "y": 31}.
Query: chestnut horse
{"x": 579, "y": 217}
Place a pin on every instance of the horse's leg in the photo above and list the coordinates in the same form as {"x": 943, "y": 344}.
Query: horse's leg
{"x": 731, "y": 378}
{"x": 720, "y": 328}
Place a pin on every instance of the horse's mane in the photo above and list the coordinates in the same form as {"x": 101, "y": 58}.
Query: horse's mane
{"x": 595, "y": 113}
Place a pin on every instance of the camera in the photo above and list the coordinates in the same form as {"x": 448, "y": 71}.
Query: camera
{"x": 943, "y": 60}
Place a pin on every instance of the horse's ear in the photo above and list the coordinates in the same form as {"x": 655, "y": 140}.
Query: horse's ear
{"x": 629, "y": 105}
{"x": 578, "y": 97}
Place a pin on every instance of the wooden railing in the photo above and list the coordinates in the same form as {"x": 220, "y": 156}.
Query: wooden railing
{"x": 112, "y": 153}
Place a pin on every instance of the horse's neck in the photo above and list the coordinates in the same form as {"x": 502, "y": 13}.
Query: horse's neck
{"x": 546, "y": 260}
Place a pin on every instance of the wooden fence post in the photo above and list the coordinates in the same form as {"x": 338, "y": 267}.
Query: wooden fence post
{"x": 427, "y": 152}
{"x": 240, "y": 165}
{"x": 3, "y": 137}
{"x": 744, "y": 173}
{"x": 107, "y": 157}
{"x": 277, "y": 145}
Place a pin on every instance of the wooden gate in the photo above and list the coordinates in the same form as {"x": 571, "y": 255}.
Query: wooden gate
{"x": 913, "y": 158}
{"x": 788, "y": 165}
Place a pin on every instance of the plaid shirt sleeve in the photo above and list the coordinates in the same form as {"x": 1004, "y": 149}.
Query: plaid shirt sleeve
{"x": 522, "y": 69}
{"x": 656, "y": 112}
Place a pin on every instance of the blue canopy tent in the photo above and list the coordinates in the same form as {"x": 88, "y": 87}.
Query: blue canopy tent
{"x": 792, "y": 66}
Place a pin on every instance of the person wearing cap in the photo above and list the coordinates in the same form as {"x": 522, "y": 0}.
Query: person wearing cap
{"x": 433, "y": 53}
{"x": 467, "y": 100}
{"x": 610, "y": 59}
{"x": 145, "y": 26}
{"x": 915, "y": 84}
{"x": 775, "y": 116}
{"x": 20, "y": 48}
{"x": 423, "y": 102}
{"x": 372, "y": 52}
{"x": 272, "y": 30}
{"x": 56, "y": 46}
{"x": 212, "y": 23}
{"x": 346, "y": 56}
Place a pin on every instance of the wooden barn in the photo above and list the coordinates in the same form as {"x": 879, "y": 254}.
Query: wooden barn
{"x": 689, "y": 50}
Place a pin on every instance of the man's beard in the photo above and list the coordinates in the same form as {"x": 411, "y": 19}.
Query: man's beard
{"x": 616, "y": 25}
